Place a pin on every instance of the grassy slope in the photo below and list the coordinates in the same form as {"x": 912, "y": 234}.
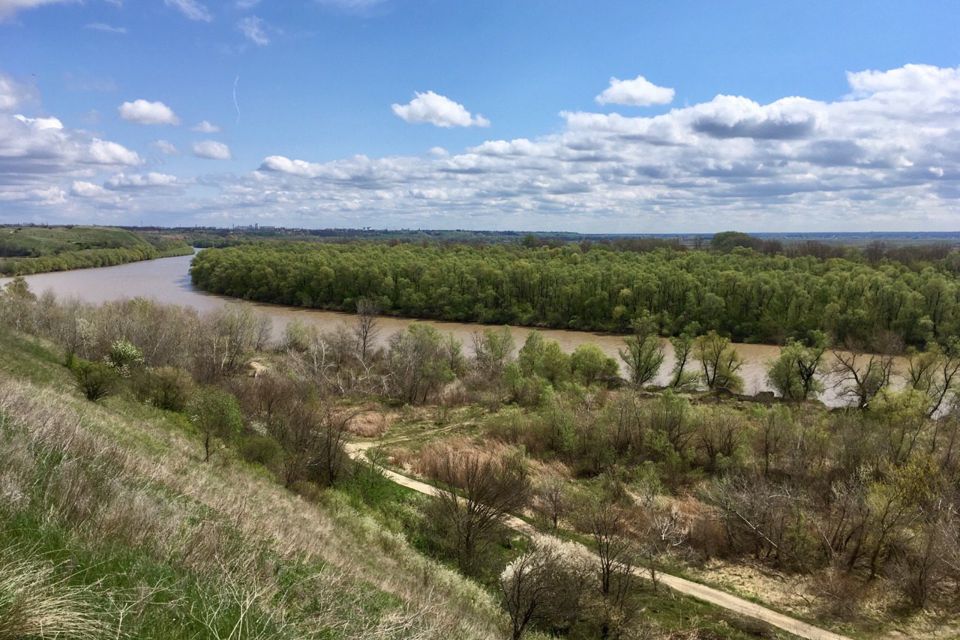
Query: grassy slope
{"x": 120, "y": 526}
{"x": 34, "y": 249}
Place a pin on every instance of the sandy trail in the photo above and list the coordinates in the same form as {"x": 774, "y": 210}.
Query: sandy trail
{"x": 357, "y": 451}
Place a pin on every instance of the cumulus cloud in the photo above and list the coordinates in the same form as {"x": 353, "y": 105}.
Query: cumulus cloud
{"x": 206, "y": 127}
{"x": 40, "y": 124}
{"x": 882, "y": 155}
{"x": 211, "y": 150}
{"x": 638, "y": 92}
{"x": 112, "y": 153}
{"x": 254, "y": 30}
{"x": 146, "y": 112}
{"x": 9, "y": 8}
{"x": 84, "y": 189}
{"x": 191, "y": 9}
{"x": 138, "y": 181}
{"x": 439, "y": 111}
{"x": 165, "y": 147}
{"x": 12, "y": 93}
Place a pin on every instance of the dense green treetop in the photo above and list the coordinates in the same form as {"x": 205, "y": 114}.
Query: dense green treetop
{"x": 744, "y": 294}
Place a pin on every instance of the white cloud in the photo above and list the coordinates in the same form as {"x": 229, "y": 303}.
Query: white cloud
{"x": 112, "y": 153}
{"x": 254, "y": 30}
{"x": 84, "y": 189}
{"x": 105, "y": 28}
{"x": 438, "y": 110}
{"x": 245, "y": 5}
{"x": 638, "y": 92}
{"x": 211, "y": 150}
{"x": 12, "y": 93}
{"x": 165, "y": 147}
{"x": 8, "y": 8}
{"x": 136, "y": 181}
{"x": 191, "y": 9}
{"x": 146, "y": 112}
{"x": 40, "y": 124}
{"x": 882, "y": 157}
{"x": 206, "y": 127}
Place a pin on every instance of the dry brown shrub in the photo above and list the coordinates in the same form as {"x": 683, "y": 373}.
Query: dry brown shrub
{"x": 369, "y": 424}
{"x": 840, "y": 595}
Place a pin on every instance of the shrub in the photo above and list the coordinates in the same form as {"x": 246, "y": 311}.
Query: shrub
{"x": 124, "y": 356}
{"x": 216, "y": 414}
{"x": 165, "y": 388}
{"x": 260, "y": 449}
{"x": 95, "y": 380}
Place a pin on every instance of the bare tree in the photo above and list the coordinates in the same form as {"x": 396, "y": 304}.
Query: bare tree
{"x": 550, "y": 498}
{"x": 540, "y": 587}
{"x": 934, "y": 372}
{"x": 366, "y": 328}
{"x": 491, "y": 488}
{"x": 861, "y": 376}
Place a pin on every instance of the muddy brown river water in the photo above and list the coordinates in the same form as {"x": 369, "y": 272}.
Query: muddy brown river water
{"x": 167, "y": 280}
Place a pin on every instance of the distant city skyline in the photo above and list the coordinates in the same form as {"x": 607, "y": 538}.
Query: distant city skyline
{"x": 594, "y": 117}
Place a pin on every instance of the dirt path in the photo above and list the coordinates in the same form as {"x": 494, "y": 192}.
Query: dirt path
{"x": 357, "y": 450}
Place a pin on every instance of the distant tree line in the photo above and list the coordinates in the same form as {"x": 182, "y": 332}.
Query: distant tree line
{"x": 27, "y": 250}
{"x": 744, "y": 293}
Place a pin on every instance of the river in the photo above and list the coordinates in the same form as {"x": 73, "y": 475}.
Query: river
{"x": 167, "y": 280}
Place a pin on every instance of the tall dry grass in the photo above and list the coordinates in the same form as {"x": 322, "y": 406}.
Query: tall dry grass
{"x": 34, "y": 603}
{"x": 137, "y": 482}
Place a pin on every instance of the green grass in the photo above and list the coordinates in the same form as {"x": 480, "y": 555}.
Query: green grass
{"x": 26, "y": 250}
{"x": 112, "y": 500}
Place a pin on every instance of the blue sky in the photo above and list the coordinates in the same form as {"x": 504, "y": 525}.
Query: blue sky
{"x": 750, "y": 115}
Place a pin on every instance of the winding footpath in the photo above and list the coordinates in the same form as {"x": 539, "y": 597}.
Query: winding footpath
{"x": 357, "y": 451}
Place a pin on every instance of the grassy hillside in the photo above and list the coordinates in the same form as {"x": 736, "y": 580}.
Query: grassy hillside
{"x": 112, "y": 526}
{"x": 26, "y": 250}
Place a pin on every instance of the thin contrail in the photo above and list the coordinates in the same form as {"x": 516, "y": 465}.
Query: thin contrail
{"x": 236, "y": 102}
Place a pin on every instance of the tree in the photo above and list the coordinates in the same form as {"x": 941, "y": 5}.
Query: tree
{"x": 540, "y": 587}
{"x": 589, "y": 363}
{"x": 478, "y": 493}
{"x": 216, "y": 414}
{"x": 366, "y": 329}
{"x": 682, "y": 351}
{"x": 934, "y": 372}
{"x": 643, "y": 354}
{"x": 421, "y": 361}
{"x": 605, "y": 522}
{"x": 544, "y": 358}
{"x": 794, "y": 374}
{"x": 550, "y": 498}
{"x": 861, "y": 376}
{"x": 719, "y": 362}
{"x": 492, "y": 351}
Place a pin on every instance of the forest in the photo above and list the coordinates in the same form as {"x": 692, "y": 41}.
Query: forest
{"x": 35, "y": 249}
{"x": 863, "y": 297}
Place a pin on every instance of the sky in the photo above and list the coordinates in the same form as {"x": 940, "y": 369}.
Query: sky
{"x": 590, "y": 116}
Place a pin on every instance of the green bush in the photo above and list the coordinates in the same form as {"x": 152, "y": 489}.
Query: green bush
{"x": 96, "y": 380}
{"x": 165, "y": 388}
{"x": 260, "y": 449}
